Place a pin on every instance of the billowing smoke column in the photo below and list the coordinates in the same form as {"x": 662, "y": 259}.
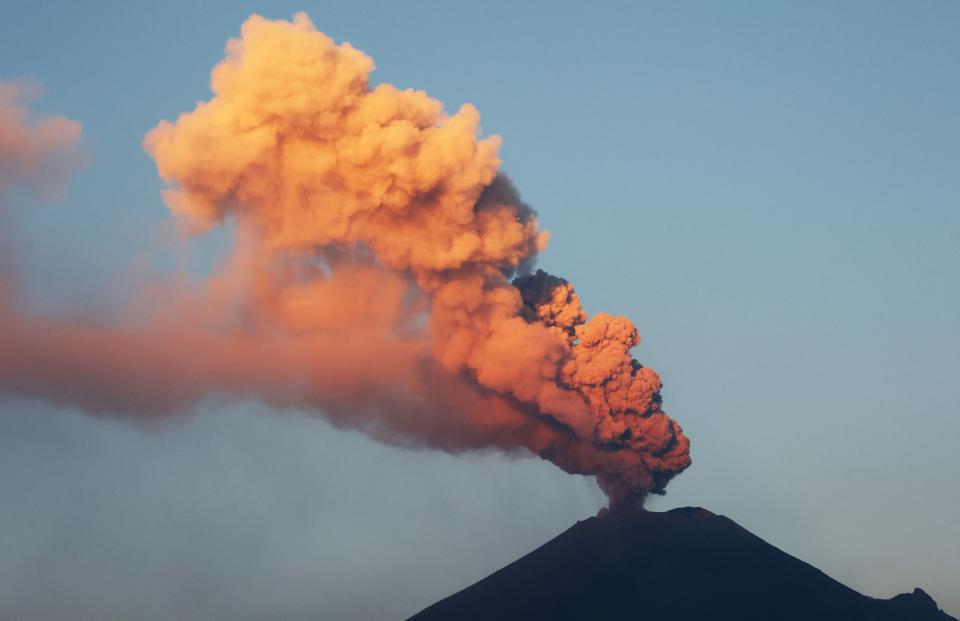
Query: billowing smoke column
{"x": 381, "y": 277}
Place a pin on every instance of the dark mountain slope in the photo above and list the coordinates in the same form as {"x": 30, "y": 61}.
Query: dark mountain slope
{"x": 683, "y": 565}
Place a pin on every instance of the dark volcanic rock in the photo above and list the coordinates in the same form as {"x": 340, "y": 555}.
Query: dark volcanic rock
{"x": 683, "y": 565}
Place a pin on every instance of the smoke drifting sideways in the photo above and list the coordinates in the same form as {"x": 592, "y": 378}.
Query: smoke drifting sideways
{"x": 380, "y": 277}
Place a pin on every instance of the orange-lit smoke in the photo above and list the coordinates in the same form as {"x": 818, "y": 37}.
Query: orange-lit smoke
{"x": 371, "y": 281}
{"x": 37, "y": 152}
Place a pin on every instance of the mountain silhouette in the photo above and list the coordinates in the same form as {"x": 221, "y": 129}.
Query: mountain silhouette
{"x": 682, "y": 565}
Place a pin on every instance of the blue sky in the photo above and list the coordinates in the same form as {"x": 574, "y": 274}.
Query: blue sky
{"x": 771, "y": 191}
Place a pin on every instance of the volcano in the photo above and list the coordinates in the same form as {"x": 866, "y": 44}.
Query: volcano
{"x": 687, "y": 564}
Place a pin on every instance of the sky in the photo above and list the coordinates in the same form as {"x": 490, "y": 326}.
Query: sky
{"x": 770, "y": 191}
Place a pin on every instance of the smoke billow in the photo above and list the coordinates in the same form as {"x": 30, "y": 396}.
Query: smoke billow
{"x": 37, "y": 152}
{"x": 380, "y": 277}
{"x": 40, "y": 152}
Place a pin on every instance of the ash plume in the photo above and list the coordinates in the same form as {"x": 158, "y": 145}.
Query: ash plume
{"x": 380, "y": 277}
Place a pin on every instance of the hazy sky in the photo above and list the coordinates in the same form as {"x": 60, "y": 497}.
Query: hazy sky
{"x": 771, "y": 191}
